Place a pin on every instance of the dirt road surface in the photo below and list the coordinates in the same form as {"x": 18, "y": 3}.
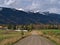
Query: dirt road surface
{"x": 34, "y": 39}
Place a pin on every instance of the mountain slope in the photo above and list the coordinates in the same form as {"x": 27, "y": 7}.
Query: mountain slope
{"x": 13, "y": 16}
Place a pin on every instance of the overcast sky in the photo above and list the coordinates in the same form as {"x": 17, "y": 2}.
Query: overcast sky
{"x": 40, "y": 5}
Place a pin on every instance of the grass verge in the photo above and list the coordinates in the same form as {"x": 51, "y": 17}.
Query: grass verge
{"x": 53, "y": 35}
{"x": 9, "y": 37}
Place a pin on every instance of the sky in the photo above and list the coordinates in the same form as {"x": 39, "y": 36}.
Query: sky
{"x": 52, "y": 6}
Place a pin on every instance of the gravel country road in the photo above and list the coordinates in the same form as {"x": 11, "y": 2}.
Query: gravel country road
{"x": 34, "y": 39}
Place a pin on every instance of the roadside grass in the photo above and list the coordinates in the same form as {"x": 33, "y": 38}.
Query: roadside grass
{"x": 8, "y": 37}
{"x": 52, "y": 34}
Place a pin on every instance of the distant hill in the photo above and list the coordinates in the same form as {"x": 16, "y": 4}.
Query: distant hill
{"x": 13, "y": 16}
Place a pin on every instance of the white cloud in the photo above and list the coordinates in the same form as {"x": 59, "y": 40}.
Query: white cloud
{"x": 52, "y": 1}
{"x": 59, "y": 2}
{"x": 35, "y": 5}
{"x": 54, "y": 10}
{"x": 9, "y": 2}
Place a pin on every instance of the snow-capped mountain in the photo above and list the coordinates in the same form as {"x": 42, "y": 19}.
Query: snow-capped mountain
{"x": 14, "y": 16}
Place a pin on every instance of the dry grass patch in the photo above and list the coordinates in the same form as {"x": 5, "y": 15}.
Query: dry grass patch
{"x": 51, "y": 34}
{"x": 9, "y": 41}
{"x": 10, "y": 37}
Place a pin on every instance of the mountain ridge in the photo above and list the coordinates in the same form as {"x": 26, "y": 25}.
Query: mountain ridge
{"x": 13, "y": 16}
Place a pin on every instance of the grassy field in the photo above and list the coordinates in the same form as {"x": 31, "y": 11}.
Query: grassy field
{"x": 52, "y": 34}
{"x": 8, "y": 37}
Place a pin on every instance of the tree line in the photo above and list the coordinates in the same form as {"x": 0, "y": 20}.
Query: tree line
{"x": 31, "y": 26}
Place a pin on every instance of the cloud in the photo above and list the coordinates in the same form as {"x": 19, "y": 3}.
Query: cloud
{"x": 42, "y": 5}
{"x": 54, "y": 10}
{"x": 34, "y": 5}
{"x": 9, "y": 2}
{"x": 52, "y": 1}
